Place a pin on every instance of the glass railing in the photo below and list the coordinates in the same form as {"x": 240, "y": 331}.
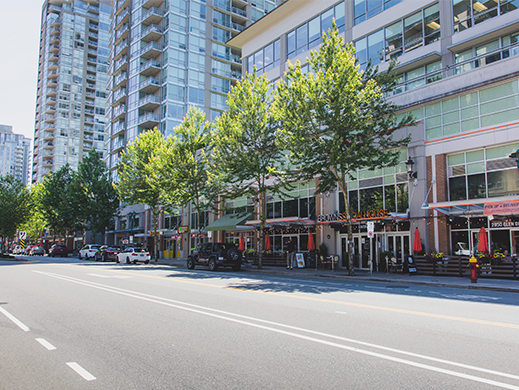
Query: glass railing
{"x": 152, "y": 46}
{"x": 149, "y": 117}
{"x": 149, "y": 99}
{"x": 457, "y": 68}
{"x": 149, "y": 64}
{"x": 149, "y": 81}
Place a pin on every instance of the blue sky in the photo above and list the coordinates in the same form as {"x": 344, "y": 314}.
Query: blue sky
{"x": 19, "y": 49}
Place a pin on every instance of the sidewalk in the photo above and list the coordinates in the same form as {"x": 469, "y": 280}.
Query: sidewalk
{"x": 404, "y": 279}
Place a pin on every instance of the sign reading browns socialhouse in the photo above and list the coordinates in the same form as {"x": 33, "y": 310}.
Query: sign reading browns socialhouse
{"x": 370, "y": 214}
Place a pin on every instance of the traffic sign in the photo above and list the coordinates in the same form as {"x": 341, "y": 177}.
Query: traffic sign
{"x": 371, "y": 227}
{"x": 371, "y": 234}
{"x": 22, "y": 234}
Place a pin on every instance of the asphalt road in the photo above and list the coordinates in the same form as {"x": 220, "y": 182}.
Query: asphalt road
{"x": 69, "y": 324}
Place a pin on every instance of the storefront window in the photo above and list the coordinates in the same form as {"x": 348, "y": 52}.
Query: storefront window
{"x": 477, "y": 186}
{"x": 457, "y": 188}
{"x": 371, "y": 199}
{"x": 402, "y": 197}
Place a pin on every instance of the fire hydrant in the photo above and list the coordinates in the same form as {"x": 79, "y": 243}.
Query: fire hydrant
{"x": 473, "y": 264}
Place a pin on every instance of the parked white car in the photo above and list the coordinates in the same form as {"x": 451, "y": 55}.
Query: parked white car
{"x": 134, "y": 255}
{"x": 89, "y": 251}
{"x": 463, "y": 249}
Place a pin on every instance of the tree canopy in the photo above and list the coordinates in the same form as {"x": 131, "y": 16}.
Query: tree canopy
{"x": 247, "y": 156}
{"x": 336, "y": 118}
{"x": 15, "y": 201}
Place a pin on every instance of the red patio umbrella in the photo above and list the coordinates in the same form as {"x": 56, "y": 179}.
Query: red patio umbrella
{"x": 483, "y": 241}
{"x": 311, "y": 243}
{"x": 242, "y": 244}
{"x": 417, "y": 244}
{"x": 267, "y": 242}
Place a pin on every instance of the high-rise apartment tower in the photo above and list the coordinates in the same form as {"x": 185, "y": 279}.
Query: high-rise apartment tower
{"x": 72, "y": 83}
{"x": 14, "y": 154}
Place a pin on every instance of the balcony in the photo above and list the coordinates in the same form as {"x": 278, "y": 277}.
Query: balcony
{"x": 151, "y": 50}
{"x": 54, "y": 48}
{"x": 91, "y": 60}
{"x": 149, "y": 85}
{"x": 52, "y": 74}
{"x": 149, "y": 102}
{"x": 49, "y": 118}
{"x": 55, "y": 31}
{"x": 121, "y": 49}
{"x": 53, "y": 65}
{"x": 149, "y": 120}
{"x": 151, "y": 33}
{"x": 117, "y": 146}
{"x": 91, "y": 76}
{"x": 118, "y": 128}
{"x": 151, "y": 3}
{"x": 56, "y": 23}
{"x": 124, "y": 17}
{"x": 88, "y": 129}
{"x": 50, "y": 110}
{"x": 152, "y": 16}
{"x": 51, "y": 101}
{"x": 89, "y": 119}
{"x": 237, "y": 27}
{"x": 118, "y": 112}
{"x": 52, "y": 83}
{"x": 122, "y": 33}
{"x": 120, "y": 64}
{"x": 90, "y": 86}
{"x": 118, "y": 95}
{"x": 93, "y": 9}
{"x": 53, "y": 57}
{"x": 150, "y": 68}
{"x": 121, "y": 5}
{"x": 48, "y": 145}
{"x": 90, "y": 102}
{"x": 92, "y": 43}
{"x": 93, "y": 26}
{"x": 48, "y": 136}
{"x": 48, "y": 163}
{"x": 120, "y": 80}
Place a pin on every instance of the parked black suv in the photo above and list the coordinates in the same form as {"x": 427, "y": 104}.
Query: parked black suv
{"x": 216, "y": 254}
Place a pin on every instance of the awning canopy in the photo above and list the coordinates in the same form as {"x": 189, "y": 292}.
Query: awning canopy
{"x": 473, "y": 207}
{"x": 284, "y": 222}
{"x": 229, "y": 222}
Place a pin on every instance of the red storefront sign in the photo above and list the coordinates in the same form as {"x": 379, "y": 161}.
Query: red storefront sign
{"x": 507, "y": 207}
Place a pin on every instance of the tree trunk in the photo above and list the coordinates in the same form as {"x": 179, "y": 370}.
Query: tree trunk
{"x": 342, "y": 186}
{"x": 155, "y": 213}
{"x": 262, "y": 229}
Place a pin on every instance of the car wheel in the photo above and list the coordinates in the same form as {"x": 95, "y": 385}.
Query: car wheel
{"x": 95, "y": 257}
{"x": 147, "y": 262}
{"x": 79, "y": 256}
{"x": 212, "y": 265}
{"x": 190, "y": 263}
{"x": 128, "y": 260}
{"x": 236, "y": 267}
{"x": 105, "y": 257}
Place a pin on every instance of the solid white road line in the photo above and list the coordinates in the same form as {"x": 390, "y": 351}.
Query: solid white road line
{"x": 14, "y": 319}
{"x": 225, "y": 316}
{"x": 46, "y": 344}
{"x": 81, "y": 371}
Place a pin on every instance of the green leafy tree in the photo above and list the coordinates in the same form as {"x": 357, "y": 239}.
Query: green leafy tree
{"x": 336, "y": 118}
{"x": 58, "y": 204}
{"x": 15, "y": 201}
{"x": 185, "y": 167}
{"x": 36, "y": 222}
{"x": 247, "y": 156}
{"x": 96, "y": 199}
{"x": 139, "y": 180}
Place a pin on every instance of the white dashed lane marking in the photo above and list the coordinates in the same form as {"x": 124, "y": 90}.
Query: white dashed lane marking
{"x": 81, "y": 371}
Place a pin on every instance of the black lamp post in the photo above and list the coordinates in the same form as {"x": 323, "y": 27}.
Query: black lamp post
{"x": 131, "y": 218}
{"x": 515, "y": 156}
{"x": 409, "y": 164}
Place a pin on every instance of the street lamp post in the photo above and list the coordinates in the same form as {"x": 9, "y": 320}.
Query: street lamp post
{"x": 131, "y": 218}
